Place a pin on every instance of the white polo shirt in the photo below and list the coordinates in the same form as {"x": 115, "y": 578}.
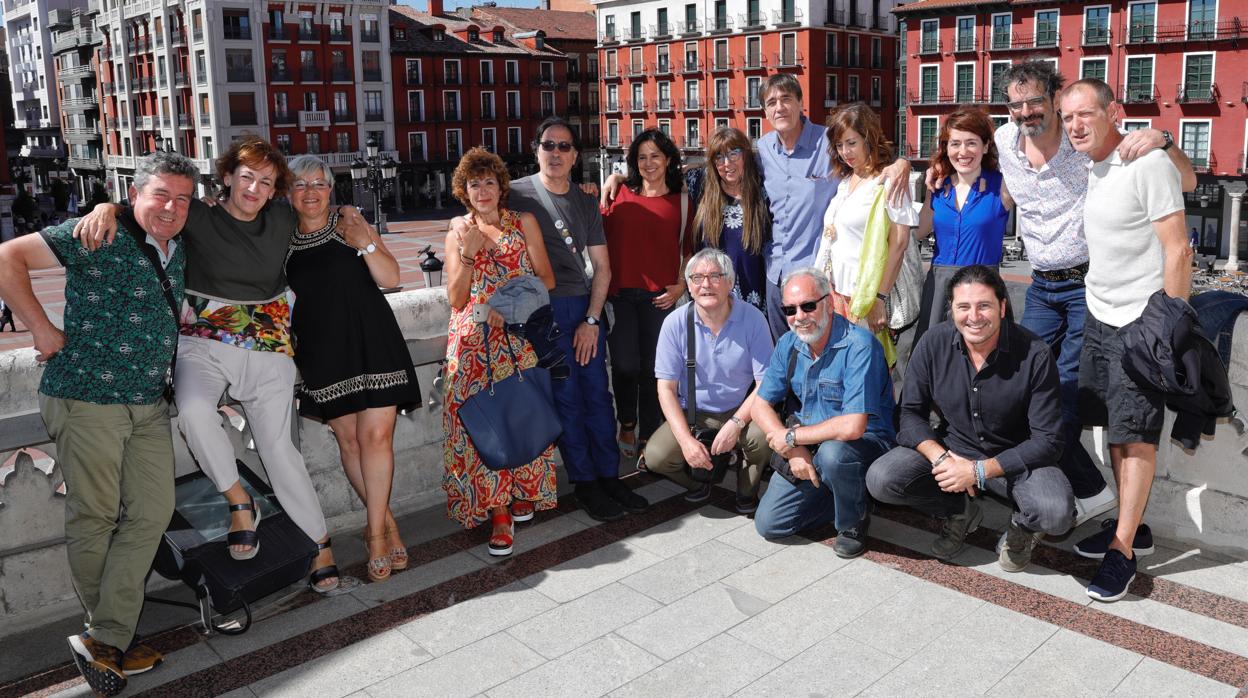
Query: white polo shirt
{"x": 1126, "y": 260}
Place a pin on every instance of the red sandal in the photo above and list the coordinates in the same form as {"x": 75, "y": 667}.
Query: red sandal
{"x": 522, "y": 510}
{"x": 500, "y": 543}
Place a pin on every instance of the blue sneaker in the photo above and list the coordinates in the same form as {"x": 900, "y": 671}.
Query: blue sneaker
{"x": 1113, "y": 578}
{"x": 1094, "y": 546}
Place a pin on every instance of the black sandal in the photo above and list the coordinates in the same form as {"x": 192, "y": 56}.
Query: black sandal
{"x": 245, "y": 537}
{"x": 326, "y": 572}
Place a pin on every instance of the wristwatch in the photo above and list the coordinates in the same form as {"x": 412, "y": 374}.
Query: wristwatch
{"x": 371, "y": 248}
{"x": 1169, "y": 140}
{"x": 790, "y": 437}
{"x": 591, "y": 321}
{"x": 737, "y": 420}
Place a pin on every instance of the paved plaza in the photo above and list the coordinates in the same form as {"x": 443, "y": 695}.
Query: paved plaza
{"x": 687, "y": 600}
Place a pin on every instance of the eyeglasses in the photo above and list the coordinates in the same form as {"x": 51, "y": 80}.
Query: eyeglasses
{"x": 549, "y": 146}
{"x": 1033, "y": 102}
{"x": 713, "y": 278}
{"x": 733, "y": 156}
{"x": 807, "y": 307}
{"x": 317, "y": 184}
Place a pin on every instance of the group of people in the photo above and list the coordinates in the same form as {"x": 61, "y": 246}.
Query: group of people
{"x": 790, "y": 258}
{"x": 746, "y": 305}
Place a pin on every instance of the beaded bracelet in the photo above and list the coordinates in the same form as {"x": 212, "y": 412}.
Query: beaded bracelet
{"x": 980, "y": 477}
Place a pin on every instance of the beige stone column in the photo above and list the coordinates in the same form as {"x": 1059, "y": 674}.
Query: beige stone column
{"x": 1232, "y": 258}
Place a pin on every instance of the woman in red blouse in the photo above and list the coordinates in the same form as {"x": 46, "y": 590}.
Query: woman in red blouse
{"x": 644, "y": 229}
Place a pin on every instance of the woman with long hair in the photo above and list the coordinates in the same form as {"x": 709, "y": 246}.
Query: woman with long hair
{"x": 859, "y": 153}
{"x": 495, "y": 246}
{"x": 968, "y": 210}
{"x": 732, "y": 211}
{"x": 357, "y": 373}
{"x": 643, "y": 226}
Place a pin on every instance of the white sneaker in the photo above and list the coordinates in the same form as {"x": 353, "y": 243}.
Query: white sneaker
{"x": 1099, "y": 503}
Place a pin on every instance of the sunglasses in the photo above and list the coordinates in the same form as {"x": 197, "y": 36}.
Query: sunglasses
{"x": 1034, "y": 103}
{"x": 549, "y": 146}
{"x": 733, "y": 156}
{"x": 807, "y": 307}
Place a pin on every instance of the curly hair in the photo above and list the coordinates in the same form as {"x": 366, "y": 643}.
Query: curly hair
{"x": 254, "y": 152}
{"x": 970, "y": 120}
{"x": 862, "y": 119}
{"x": 476, "y": 163}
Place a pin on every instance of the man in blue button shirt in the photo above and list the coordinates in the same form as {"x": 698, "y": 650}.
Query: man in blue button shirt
{"x": 841, "y": 420}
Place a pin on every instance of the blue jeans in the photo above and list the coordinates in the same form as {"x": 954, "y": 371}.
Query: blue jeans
{"x": 1055, "y": 310}
{"x": 787, "y": 509}
{"x": 583, "y": 402}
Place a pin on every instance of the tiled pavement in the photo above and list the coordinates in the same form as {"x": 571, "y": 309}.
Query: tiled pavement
{"x": 687, "y": 600}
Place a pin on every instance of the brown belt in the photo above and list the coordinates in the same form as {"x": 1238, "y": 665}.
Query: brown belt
{"x": 1062, "y": 274}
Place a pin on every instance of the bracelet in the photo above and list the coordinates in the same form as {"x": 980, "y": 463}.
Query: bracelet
{"x": 980, "y": 478}
{"x": 941, "y": 458}
{"x": 882, "y": 296}
{"x": 737, "y": 420}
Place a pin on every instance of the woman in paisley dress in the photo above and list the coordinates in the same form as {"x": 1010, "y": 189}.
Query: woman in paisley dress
{"x": 357, "y": 373}
{"x": 733, "y": 214}
{"x": 498, "y": 245}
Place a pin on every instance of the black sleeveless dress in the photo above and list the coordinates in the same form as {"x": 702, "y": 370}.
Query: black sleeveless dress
{"x": 348, "y": 346}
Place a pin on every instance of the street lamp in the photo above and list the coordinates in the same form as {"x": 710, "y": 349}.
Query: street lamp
{"x": 431, "y": 267}
{"x": 375, "y": 174}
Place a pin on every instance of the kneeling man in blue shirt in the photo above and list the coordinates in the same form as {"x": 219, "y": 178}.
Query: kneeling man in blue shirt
{"x": 841, "y": 421}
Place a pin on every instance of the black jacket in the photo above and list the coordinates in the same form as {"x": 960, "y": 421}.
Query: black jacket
{"x": 1166, "y": 352}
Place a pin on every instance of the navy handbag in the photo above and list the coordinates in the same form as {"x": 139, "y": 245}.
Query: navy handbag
{"x": 513, "y": 421}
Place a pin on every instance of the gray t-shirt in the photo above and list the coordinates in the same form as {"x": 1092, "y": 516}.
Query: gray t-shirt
{"x": 580, "y": 215}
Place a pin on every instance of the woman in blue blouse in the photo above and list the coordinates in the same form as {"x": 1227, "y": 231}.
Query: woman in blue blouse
{"x": 967, "y": 211}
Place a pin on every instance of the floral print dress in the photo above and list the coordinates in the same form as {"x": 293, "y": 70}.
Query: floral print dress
{"x": 472, "y": 489}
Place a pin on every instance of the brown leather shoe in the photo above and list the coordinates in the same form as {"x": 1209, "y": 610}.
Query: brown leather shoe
{"x": 99, "y": 664}
{"x": 140, "y": 658}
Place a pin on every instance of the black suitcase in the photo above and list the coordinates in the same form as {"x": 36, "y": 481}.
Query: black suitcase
{"x": 194, "y": 550}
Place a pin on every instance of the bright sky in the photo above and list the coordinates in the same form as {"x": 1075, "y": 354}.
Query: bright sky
{"x": 453, "y": 4}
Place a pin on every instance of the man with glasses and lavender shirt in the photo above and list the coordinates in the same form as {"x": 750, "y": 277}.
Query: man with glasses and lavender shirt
{"x": 1049, "y": 182}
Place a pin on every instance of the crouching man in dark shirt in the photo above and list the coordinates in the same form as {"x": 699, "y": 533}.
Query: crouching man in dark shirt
{"x": 995, "y": 386}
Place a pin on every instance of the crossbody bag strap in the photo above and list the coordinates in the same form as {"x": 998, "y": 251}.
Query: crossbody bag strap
{"x": 549, "y": 204}
{"x": 165, "y": 285}
{"x": 791, "y": 403}
{"x": 691, "y": 363}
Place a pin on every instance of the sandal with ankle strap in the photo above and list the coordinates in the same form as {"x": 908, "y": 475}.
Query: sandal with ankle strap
{"x": 398, "y": 555}
{"x": 323, "y": 573}
{"x": 500, "y": 543}
{"x": 247, "y": 536}
{"x": 378, "y": 567}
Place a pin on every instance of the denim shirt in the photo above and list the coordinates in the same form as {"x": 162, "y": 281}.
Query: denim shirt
{"x": 799, "y": 186}
{"x": 850, "y": 377}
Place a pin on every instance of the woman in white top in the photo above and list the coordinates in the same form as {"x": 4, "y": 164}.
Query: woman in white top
{"x": 859, "y": 153}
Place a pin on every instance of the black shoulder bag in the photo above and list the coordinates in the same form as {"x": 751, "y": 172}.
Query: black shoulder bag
{"x": 719, "y": 463}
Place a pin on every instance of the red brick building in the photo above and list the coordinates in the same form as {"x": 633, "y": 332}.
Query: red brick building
{"x": 461, "y": 83}
{"x": 1175, "y": 65}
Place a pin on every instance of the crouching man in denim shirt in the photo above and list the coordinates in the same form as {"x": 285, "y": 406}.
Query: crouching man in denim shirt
{"x": 841, "y": 420}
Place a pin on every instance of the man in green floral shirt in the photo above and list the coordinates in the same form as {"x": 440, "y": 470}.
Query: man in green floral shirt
{"x": 102, "y": 400}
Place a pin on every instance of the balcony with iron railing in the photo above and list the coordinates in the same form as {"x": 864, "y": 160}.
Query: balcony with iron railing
{"x": 452, "y": 79}
{"x": 184, "y": 121}
{"x": 415, "y": 77}
{"x": 106, "y": 52}
{"x": 1018, "y": 41}
{"x": 162, "y": 81}
{"x": 661, "y": 31}
{"x": 377, "y": 116}
{"x": 929, "y": 45}
{"x": 789, "y": 59}
{"x": 205, "y": 119}
{"x": 309, "y": 73}
{"x": 316, "y": 118}
{"x": 719, "y": 25}
{"x": 721, "y": 64}
{"x": 108, "y": 88}
{"x": 1203, "y": 163}
{"x": 1197, "y": 93}
{"x": 1139, "y": 93}
{"x": 1218, "y": 30}
{"x": 964, "y": 43}
{"x": 752, "y": 22}
{"x": 77, "y": 72}
{"x": 663, "y": 67}
{"x": 145, "y": 123}
{"x": 786, "y": 16}
{"x": 240, "y": 75}
{"x": 691, "y": 104}
{"x": 181, "y": 80}
{"x": 834, "y": 18}
{"x": 370, "y": 75}
{"x": 346, "y": 116}
{"x": 609, "y": 107}
{"x": 752, "y": 103}
{"x": 635, "y": 70}
{"x": 694, "y": 66}
{"x": 513, "y": 112}
{"x": 1097, "y": 36}
{"x": 689, "y": 28}
{"x": 165, "y": 122}
{"x": 309, "y": 33}
{"x": 197, "y": 34}
{"x": 930, "y": 97}
{"x": 341, "y": 34}
{"x": 84, "y": 103}
{"x": 201, "y": 78}
{"x": 285, "y": 118}
{"x": 177, "y": 37}
{"x": 635, "y": 34}
{"x": 754, "y": 61}
{"x": 158, "y": 40}
{"x": 488, "y": 80}
{"x": 368, "y": 37}
{"x": 664, "y": 104}
{"x": 608, "y": 38}
{"x": 242, "y": 118}
{"x": 690, "y": 142}
{"x": 489, "y": 113}
{"x": 237, "y": 33}
{"x": 722, "y": 103}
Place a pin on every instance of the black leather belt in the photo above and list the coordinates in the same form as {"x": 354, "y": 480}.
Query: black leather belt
{"x": 1062, "y": 274}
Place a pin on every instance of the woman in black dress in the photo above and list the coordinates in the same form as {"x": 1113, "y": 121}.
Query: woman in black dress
{"x": 350, "y": 351}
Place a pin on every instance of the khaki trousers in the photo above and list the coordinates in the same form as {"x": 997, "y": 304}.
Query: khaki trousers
{"x": 664, "y": 457}
{"x": 117, "y": 461}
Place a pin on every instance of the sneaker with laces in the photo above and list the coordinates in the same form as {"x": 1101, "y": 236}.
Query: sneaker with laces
{"x": 1094, "y": 546}
{"x": 99, "y": 664}
{"x": 1113, "y": 578}
{"x": 1016, "y": 551}
{"x": 632, "y": 502}
{"x": 746, "y": 504}
{"x": 596, "y": 503}
{"x": 953, "y": 534}
{"x": 140, "y": 658}
{"x": 852, "y": 542}
{"x": 1091, "y": 507}
{"x": 700, "y": 493}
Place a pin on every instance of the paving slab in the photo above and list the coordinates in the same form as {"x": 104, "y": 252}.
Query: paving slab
{"x": 684, "y": 532}
{"x": 717, "y": 667}
{"x": 836, "y": 666}
{"x": 792, "y": 568}
{"x": 529, "y": 536}
{"x": 288, "y": 624}
{"x": 1159, "y": 680}
{"x": 467, "y": 671}
{"x": 689, "y": 571}
{"x": 582, "y": 620}
{"x": 412, "y": 580}
{"x": 911, "y": 618}
{"x": 809, "y": 615}
{"x": 468, "y": 621}
{"x": 746, "y": 538}
{"x": 1068, "y": 664}
{"x": 592, "y": 670}
{"x": 694, "y": 619}
{"x": 593, "y": 570}
{"x": 347, "y": 670}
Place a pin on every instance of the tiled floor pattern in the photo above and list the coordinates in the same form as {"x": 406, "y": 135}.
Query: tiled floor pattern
{"x": 689, "y": 601}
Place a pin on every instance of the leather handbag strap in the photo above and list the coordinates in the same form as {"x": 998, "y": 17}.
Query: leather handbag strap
{"x": 691, "y": 363}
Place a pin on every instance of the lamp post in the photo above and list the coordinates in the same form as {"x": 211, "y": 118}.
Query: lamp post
{"x": 375, "y": 174}
{"x": 431, "y": 268}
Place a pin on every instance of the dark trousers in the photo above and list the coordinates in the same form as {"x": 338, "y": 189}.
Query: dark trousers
{"x": 775, "y": 319}
{"x": 1041, "y": 497}
{"x": 1055, "y": 311}
{"x": 583, "y": 402}
{"x": 633, "y": 341}
{"x": 6, "y": 318}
